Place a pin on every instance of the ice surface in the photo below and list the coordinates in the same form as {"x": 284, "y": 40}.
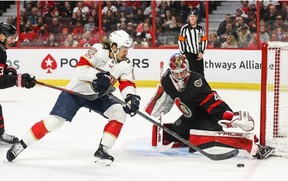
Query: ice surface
{"x": 67, "y": 153}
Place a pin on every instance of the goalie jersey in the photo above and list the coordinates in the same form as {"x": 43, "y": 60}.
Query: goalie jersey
{"x": 95, "y": 60}
{"x": 196, "y": 93}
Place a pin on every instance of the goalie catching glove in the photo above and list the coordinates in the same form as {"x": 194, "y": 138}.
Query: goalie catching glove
{"x": 25, "y": 80}
{"x": 102, "y": 83}
{"x": 241, "y": 119}
{"x": 132, "y": 103}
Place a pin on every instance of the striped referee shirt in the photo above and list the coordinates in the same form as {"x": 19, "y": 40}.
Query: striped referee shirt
{"x": 192, "y": 40}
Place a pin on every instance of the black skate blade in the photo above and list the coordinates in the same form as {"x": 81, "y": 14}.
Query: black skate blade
{"x": 103, "y": 162}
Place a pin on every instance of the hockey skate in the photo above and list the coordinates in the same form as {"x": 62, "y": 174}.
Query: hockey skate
{"x": 8, "y": 139}
{"x": 264, "y": 152}
{"x": 242, "y": 120}
{"x": 15, "y": 150}
{"x": 102, "y": 156}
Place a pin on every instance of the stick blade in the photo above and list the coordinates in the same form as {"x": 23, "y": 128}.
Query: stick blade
{"x": 163, "y": 148}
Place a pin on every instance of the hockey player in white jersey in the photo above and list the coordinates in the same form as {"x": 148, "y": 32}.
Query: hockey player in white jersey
{"x": 97, "y": 71}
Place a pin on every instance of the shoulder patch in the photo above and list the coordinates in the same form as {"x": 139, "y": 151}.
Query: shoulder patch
{"x": 91, "y": 52}
{"x": 198, "y": 83}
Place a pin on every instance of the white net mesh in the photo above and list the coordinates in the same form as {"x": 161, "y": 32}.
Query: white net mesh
{"x": 276, "y": 133}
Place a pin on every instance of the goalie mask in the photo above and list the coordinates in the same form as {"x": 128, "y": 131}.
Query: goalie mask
{"x": 179, "y": 69}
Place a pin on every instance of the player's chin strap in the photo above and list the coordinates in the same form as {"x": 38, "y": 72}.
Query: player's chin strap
{"x": 215, "y": 157}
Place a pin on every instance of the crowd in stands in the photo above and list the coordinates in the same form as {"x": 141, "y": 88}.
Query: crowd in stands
{"x": 240, "y": 30}
{"x": 76, "y": 23}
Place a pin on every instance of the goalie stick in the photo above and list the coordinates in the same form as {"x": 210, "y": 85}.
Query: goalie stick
{"x": 160, "y": 147}
{"x": 215, "y": 157}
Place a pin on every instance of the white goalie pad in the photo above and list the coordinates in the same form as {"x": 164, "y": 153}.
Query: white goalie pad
{"x": 160, "y": 103}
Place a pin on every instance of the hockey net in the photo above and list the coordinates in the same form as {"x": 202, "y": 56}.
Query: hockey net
{"x": 274, "y": 97}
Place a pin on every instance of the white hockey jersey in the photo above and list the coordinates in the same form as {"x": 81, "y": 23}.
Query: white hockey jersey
{"x": 97, "y": 59}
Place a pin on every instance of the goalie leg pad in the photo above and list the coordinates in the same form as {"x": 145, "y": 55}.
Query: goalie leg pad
{"x": 207, "y": 139}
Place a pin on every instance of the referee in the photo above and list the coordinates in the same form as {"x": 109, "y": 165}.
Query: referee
{"x": 192, "y": 43}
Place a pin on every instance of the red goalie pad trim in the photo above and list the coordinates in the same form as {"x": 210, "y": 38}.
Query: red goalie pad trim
{"x": 152, "y": 102}
{"x": 242, "y": 141}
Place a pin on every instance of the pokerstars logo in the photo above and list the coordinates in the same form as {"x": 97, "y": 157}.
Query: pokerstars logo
{"x": 49, "y": 64}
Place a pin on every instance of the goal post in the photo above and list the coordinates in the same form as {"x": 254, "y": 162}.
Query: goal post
{"x": 274, "y": 97}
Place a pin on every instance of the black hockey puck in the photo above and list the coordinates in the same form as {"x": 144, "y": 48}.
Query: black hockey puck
{"x": 240, "y": 165}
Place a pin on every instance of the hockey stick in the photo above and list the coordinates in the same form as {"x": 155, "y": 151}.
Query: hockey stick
{"x": 215, "y": 157}
{"x": 88, "y": 97}
{"x": 160, "y": 147}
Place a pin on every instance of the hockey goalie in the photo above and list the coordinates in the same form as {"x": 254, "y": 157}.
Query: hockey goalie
{"x": 204, "y": 113}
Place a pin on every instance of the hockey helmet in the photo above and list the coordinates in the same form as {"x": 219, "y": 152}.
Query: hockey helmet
{"x": 193, "y": 12}
{"x": 8, "y": 30}
{"x": 178, "y": 66}
{"x": 121, "y": 39}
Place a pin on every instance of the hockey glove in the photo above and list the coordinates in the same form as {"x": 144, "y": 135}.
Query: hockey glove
{"x": 10, "y": 71}
{"x": 132, "y": 104}
{"x": 25, "y": 80}
{"x": 102, "y": 83}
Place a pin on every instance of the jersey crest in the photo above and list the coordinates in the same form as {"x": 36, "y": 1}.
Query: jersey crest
{"x": 183, "y": 108}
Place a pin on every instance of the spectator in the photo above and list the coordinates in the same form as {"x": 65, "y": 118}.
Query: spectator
{"x": 106, "y": 24}
{"x": 195, "y": 5}
{"x": 87, "y": 40}
{"x": 10, "y": 20}
{"x": 52, "y": 41}
{"x": 40, "y": 22}
{"x": 270, "y": 18}
{"x": 127, "y": 9}
{"x": 78, "y": 30}
{"x": 229, "y": 31}
{"x": 251, "y": 21}
{"x": 244, "y": 36}
{"x": 139, "y": 42}
{"x": 122, "y": 17}
{"x": 68, "y": 10}
{"x": 263, "y": 34}
{"x": 61, "y": 37}
{"x": 42, "y": 36}
{"x": 278, "y": 35}
{"x": 222, "y": 27}
{"x": 78, "y": 17}
{"x": 280, "y": 23}
{"x": 33, "y": 17}
{"x": 112, "y": 18}
{"x": 253, "y": 44}
{"x": 130, "y": 29}
{"x": 55, "y": 27}
{"x": 28, "y": 35}
{"x": 70, "y": 41}
{"x": 110, "y": 7}
{"x": 80, "y": 7}
{"x": 213, "y": 41}
{"x": 94, "y": 14}
{"x": 230, "y": 42}
{"x": 170, "y": 23}
{"x": 139, "y": 17}
{"x": 245, "y": 6}
{"x": 90, "y": 26}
